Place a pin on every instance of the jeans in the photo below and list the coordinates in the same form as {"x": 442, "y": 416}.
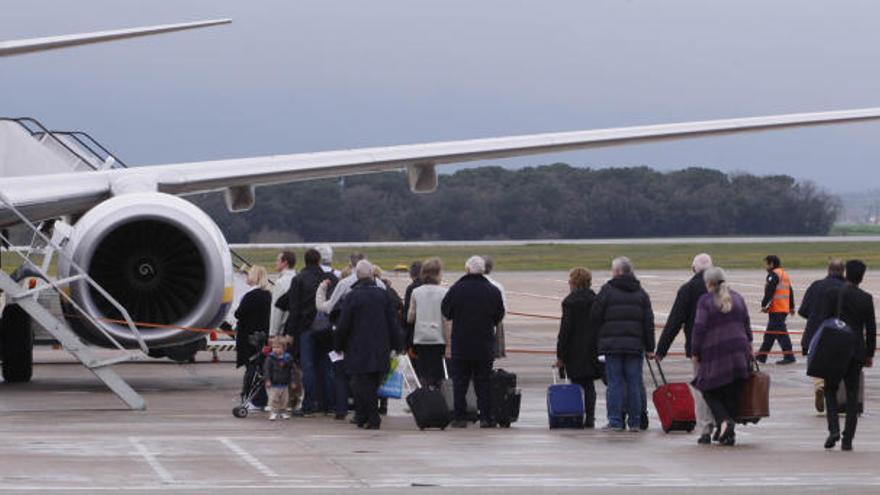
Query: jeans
{"x": 776, "y": 323}
{"x": 463, "y": 370}
{"x": 318, "y": 389}
{"x": 851, "y": 382}
{"x": 624, "y": 387}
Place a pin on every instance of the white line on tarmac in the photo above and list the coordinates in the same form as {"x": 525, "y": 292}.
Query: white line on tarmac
{"x": 151, "y": 459}
{"x": 541, "y": 296}
{"x": 247, "y": 457}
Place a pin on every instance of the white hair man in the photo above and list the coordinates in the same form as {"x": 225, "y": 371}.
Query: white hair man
{"x": 626, "y": 333}
{"x": 327, "y": 304}
{"x": 683, "y": 313}
{"x": 327, "y": 259}
{"x": 366, "y": 332}
{"x": 474, "y": 306}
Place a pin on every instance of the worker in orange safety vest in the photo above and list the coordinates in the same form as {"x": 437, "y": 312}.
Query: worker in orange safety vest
{"x": 778, "y": 303}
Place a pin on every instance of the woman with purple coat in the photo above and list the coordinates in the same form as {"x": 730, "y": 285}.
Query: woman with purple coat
{"x": 722, "y": 345}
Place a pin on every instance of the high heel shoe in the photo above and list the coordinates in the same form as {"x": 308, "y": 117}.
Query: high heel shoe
{"x": 832, "y": 440}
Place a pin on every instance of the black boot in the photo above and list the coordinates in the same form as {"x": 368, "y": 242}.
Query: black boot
{"x": 832, "y": 440}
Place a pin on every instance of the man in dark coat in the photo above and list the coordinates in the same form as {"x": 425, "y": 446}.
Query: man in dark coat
{"x": 475, "y": 307}
{"x": 366, "y": 332}
{"x": 306, "y": 328}
{"x": 683, "y": 312}
{"x": 415, "y": 275}
{"x": 622, "y": 311}
{"x": 812, "y": 310}
{"x": 856, "y": 308}
{"x": 577, "y": 343}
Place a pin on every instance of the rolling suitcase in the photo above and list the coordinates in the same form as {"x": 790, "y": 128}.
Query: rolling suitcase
{"x": 754, "y": 397}
{"x": 506, "y": 398}
{"x": 471, "y": 413}
{"x": 427, "y": 404}
{"x": 673, "y": 402}
{"x": 429, "y": 408}
{"x": 565, "y": 404}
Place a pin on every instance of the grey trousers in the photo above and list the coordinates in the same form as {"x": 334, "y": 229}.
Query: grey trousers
{"x": 705, "y": 420}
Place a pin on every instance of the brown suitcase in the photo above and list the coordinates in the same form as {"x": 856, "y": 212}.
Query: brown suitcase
{"x": 754, "y": 397}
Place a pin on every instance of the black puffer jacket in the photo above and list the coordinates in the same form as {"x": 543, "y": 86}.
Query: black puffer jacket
{"x": 624, "y": 317}
{"x": 301, "y": 298}
{"x": 278, "y": 370}
{"x": 577, "y": 343}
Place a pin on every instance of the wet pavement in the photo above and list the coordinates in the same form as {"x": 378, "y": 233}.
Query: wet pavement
{"x": 64, "y": 432}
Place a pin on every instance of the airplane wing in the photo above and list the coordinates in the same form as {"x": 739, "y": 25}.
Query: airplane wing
{"x": 19, "y": 47}
{"x": 48, "y": 196}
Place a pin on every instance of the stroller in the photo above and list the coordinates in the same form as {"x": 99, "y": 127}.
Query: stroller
{"x": 256, "y": 390}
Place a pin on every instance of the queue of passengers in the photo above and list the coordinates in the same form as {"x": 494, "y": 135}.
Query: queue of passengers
{"x": 359, "y": 316}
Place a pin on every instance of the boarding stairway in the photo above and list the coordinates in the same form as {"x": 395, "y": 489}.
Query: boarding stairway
{"x": 27, "y": 147}
{"x": 56, "y": 152}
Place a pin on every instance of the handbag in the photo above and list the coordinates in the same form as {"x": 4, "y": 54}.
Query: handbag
{"x": 832, "y": 347}
{"x": 392, "y": 384}
{"x": 392, "y": 387}
{"x": 754, "y": 397}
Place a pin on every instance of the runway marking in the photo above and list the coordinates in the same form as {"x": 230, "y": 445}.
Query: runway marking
{"x": 540, "y": 296}
{"x": 247, "y": 457}
{"x": 151, "y": 459}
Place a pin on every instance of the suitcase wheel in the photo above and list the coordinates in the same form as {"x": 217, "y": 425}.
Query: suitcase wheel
{"x": 442, "y": 428}
{"x": 691, "y": 429}
{"x": 504, "y": 424}
{"x": 240, "y": 412}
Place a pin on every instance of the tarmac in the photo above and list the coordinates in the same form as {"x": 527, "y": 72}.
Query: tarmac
{"x": 65, "y": 433}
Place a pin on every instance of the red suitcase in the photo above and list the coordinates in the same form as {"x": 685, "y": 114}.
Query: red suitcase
{"x": 674, "y": 403}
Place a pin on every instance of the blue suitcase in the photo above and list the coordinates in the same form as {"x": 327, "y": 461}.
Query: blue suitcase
{"x": 565, "y": 405}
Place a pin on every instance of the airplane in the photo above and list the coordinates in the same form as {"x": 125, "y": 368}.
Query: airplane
{"x": 157, "y": 266}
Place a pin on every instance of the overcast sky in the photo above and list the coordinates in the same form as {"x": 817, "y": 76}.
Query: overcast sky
{"x": 293, "y": 76}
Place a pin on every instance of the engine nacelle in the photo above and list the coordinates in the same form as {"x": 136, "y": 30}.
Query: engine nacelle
{"x": 162, "y": 258}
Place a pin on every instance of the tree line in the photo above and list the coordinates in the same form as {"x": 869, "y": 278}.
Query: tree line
{"x": 554, "y": 201}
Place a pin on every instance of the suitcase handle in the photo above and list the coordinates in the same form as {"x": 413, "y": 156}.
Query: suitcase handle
{"x": 560, "y": 372}
{"x": 654, "y": 377}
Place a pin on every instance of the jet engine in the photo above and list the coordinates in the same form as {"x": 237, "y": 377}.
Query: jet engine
{"x": 161, "y": 258}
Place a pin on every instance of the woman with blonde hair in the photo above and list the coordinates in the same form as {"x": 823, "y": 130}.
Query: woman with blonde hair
{"x": 722, "y": 345}
{"x": 253, "y": 317}
{"x": 577, "y": 343}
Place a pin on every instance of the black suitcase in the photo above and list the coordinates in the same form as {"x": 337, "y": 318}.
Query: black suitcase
{"x": 506, "y": 398}
{"x": 429, "y": 408}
